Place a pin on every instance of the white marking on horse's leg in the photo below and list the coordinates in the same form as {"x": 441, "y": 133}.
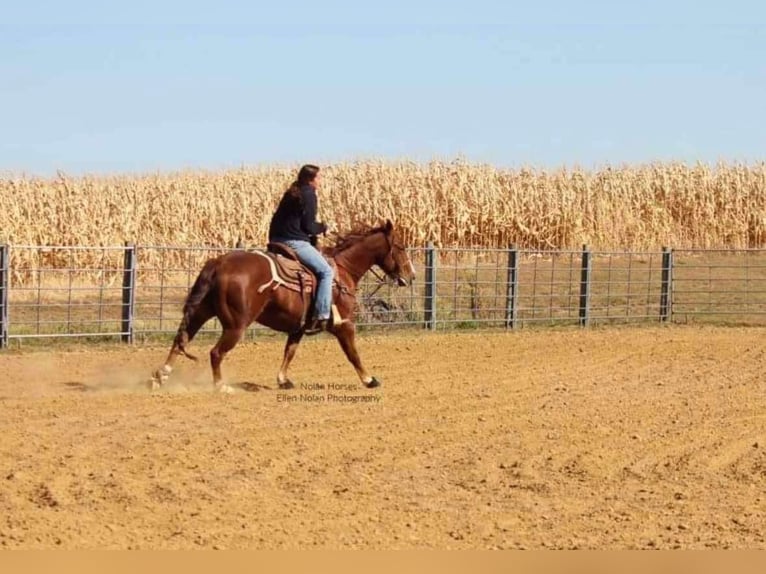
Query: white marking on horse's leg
{"x": 224, "y": 388}
{"x": 160, "y": 376}
{"x": 164, "y": 373}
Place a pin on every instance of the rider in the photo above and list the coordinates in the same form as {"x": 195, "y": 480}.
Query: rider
{"x": 294, "y": 224}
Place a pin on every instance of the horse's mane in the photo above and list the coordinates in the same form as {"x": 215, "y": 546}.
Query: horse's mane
{"x": 346, "y": 240}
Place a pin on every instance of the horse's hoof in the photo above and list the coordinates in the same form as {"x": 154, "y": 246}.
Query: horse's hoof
{"x": 373, "y": 383}
{"x": 286, "y": 385}
{"x": 224, "y": 389}
{"x": 160, "y": 377}
{"x": 155, "y": 383}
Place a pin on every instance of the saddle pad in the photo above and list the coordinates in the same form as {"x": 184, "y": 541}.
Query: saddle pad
{"x": 289, "y": 271}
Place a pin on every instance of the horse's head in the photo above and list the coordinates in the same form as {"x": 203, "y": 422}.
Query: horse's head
{"x": 393, "y": 259}
{"x": 359, "y": 250}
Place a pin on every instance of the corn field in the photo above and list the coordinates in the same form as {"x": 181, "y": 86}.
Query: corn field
{"x": 452, "y": 204}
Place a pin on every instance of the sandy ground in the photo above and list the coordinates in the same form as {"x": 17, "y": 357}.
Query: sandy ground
{"x": 606, "y": 438}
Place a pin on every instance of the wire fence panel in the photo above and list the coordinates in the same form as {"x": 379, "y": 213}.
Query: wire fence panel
{"x": 716, "y": 286}
{"x": 549, "y": 287}
{"x": 625, "y": 287}
{"x": 139, "y": 291}
{"x": 471, "y": 286}
{"x": 64, "y": 291}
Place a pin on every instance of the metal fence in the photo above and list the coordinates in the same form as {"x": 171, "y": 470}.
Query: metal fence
{"x": 134, "y": 292}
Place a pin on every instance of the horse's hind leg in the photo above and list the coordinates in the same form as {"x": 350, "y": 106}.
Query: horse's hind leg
{"x": 226, "y": 343}
{"x": 293, "y": 340}
{"x": 201, "y": 316}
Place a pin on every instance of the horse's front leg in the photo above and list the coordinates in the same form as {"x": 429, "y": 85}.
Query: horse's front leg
{"x": 290, "y": 347}
{"x": 345, "y": 334}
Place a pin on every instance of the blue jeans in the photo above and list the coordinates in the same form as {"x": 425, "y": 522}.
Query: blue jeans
{"x": 311, "y": 258}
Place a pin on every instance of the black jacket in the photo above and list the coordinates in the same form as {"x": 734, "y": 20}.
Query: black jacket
{"x": 295, "y": 217}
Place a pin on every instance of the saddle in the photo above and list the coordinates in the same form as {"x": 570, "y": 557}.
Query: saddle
{"x": 290, "y": 270}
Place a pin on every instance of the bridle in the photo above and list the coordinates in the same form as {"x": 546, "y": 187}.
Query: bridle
{"x": 382, "y": 280}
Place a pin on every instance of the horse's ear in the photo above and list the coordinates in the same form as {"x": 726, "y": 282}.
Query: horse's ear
{"x": 389, "y": 226}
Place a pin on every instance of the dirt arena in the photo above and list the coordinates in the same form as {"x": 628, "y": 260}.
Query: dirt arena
{"x": 607, "y": 438}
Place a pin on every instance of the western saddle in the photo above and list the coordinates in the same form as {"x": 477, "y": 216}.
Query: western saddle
{"x": 293, "y": 275}
{"x": 291, "y": 271}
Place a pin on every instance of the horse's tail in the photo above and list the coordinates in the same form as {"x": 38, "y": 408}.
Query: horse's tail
{"x": 199, "y": 291}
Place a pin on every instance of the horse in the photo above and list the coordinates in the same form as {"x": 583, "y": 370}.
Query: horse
{"x": 241, "y": 287}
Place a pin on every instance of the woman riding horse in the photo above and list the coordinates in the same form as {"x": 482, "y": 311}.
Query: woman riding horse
{"x": 294, "y": 224}
{"x": 241, "y": 287}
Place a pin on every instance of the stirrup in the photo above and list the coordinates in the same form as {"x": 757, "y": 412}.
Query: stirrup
{"x": 317, "y": 326}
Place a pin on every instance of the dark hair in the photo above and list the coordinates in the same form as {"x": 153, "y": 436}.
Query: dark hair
{"x": 306, "y": 175}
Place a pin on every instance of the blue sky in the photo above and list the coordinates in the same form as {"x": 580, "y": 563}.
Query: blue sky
{"x": 99, "y": 87}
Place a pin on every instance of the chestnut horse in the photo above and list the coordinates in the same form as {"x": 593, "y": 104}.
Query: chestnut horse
{"x": 230, "y": 287}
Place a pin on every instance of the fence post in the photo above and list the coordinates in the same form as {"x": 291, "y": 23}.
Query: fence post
{"x": 128, "y": 293}
{"x": 5, "y": 263}
{"x": 585, "y": 287}
{"x": 512, "y": 292}
{"x": 666, "y": 300}
{"x": 430, "y": 294}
